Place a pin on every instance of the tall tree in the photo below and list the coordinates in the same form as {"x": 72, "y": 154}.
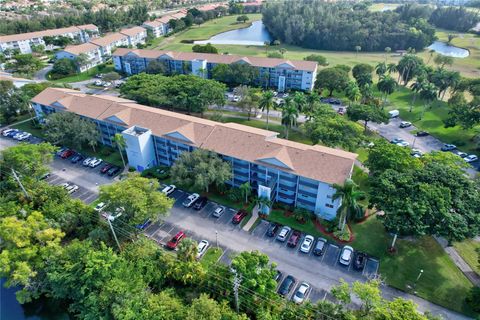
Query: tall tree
{"x": 332, "y": 79}
{"x": 200, "y": 169}
{"x": 352, "y": 92}
{"x": 121, "y": 144}
{"x": 367, "y": 113}
{"x": 387, "y": 86}
{"x": 267, "y": 103}
{"x": 349, "y": 207}
{"x": 289, "y": 114}
{"x": 362, "y": 73}
{"x": 246, "y": 190}
{"x": 428, "y": 93}
{"x": 29, "y": 160}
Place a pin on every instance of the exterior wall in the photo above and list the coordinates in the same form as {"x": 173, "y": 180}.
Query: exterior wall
{"x": 147, "y": 150}
{"x": 293, "y": 79}
{"x": 138, "y": 38}
{"x": 95, "y": 58}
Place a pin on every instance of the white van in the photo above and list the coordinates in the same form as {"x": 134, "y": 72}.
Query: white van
{"x": 393, "y": 114}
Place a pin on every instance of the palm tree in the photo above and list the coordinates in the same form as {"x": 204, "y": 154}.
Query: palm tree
{"x": 353, "y": 92}
{"x": 289, "y": 115}
{"x": 246, "y": 190}
{"x": 301, "y": 214}
{"x": 349, "y": 207}
{"x": 266, "y": 44}
{"x": 119, "y": 141}
{"x": 428, "y": 93}
{"x": 387, "y": 86}
{"x": 416, "y": 88}
{"x": 391, "y": 68}
{"x": 387, "y": 51}
{"x": 263, "y": 203}
{"x": 282, "y": 51}
{"x": 381, "y": 68}
{"x": 312, "y": 100}
{"x": 267, "y": 103}
{"x": 187, "y": 250}
{"x": 357, "y": 49}
{"x": 299, "y": 100}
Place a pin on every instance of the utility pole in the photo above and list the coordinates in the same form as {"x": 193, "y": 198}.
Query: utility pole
{"x": 15, "y": 176}
{"x": 236, "y": 286}
{"x": 109, "y": 219}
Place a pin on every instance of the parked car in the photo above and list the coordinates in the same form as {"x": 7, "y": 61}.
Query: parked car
{"x": 294, "y": 238}
{"x": 187, "y": 203}
{"x": 24, "y": 136}
{"x": 18, "y": 135}
{"x": 173, "y": 243}
{"x": 307, "y": 244}
{"x": 12, "y": 133}
{"x": 239, "y": 216}
{"x": 202, "y": 248}
{"x": 77, "y": 158}
{"x": 200, "y": 203}
{"x": 301, "y": 293}
{"x": 286, "y": 286}
{"x": 67, "y": 154}
{"x": 64, "y": 185}
{"x": 403, "y": 143}
{"x": 6, "y": 132}
{"x": 416, "y": 153}
{"x": 45, "y": 176}
{"x": 217, "y": 213}
{"x": 105, "y": 168}
{"x": 460, "y": 154}
{"x": 393, "y": 114}
{"x": 405, "y": 124}
{"x": 470, "y": 158}
{"x": 235, "y": 98}
{"x": 320, "y": 247}
{"x": 396, "y": 140}
{"x": 95, "y": 163}
{"x": 98, "y": 83}
{"x": 113, "y": 171}
{"x": 272, "y": 229}
{"x": 99, "y": 207}
{"x": 448, "y": 147}
{"x": 143, "y": 225}
{"x": 72, "y": 188}
{"x": 169, "y": 189}
{"x": 422, "y": 134}
{"x": 360, "y": 260}
{"x": 283, "y": 235}
{"x": 87, "y": 161}
{"x": 341, "y": 111}
{"x": 346, "y": 256}
{"x": 278, "y": 276}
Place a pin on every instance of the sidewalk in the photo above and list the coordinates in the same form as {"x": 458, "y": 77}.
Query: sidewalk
{"x": 252, "y": 220}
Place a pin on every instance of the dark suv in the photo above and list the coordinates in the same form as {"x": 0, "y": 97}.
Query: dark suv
{"x": 200, "y": 203}
{"x": 272, "y": 229}
{"x": 286, "y": 286}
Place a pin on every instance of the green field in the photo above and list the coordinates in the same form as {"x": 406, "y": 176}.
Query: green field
{"x": 211, "y": 256}
{"x": 470, "y": 251}
{"x": 89, "y": 74}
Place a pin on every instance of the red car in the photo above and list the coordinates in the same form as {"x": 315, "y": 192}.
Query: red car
{"x": 106, "y": 168}
{"x": 173, "y": 243}
{"x": 294, "y": 238}
{"x": 238, "y": 217}
{"x": 67, "y": 154}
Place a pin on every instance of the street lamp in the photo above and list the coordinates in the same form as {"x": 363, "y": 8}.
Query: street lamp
{"x": 216, "y": 237}
{"x": 418, "y": 278}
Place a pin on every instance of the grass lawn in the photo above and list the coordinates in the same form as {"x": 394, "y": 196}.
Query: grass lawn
{"x": 467, "y": 249}
{"x": 211, "y": 257}
{"x": 89, "y": 74}
{"x": 432, "y": 120}
{"x": 442, "y": 282}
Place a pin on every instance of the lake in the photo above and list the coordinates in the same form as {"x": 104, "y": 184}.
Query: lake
{"x": 41, "y": 309}
{"x": 255, "y": 35}
{"x": 446, "y": 50}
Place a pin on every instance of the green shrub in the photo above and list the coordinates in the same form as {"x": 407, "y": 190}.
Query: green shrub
{"x": 342, "y": 235}
{"x": 160, "y": 173}
{"x": 106, "y": 152}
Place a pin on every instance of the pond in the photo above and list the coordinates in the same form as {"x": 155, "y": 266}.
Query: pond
{"x": 447, "y": 50}
{"x": 255, "y": 35}
{"x": 41, "y": 309}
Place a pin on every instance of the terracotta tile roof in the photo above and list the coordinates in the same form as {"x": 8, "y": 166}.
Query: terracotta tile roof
{"x": 154, "y": 24}
{"x": 220, "y": 58}
{"x": 178, "y": 15}
{"x": 44, "y": 33}
{"x": 212, "y": 6}
{"x": 81, "y": 48}
{"x": 108, "y": 39}
{"x": 132, "y": 31}
{"x": 230, "y": 139}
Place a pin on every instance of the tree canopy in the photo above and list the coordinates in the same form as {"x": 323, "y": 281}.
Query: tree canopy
{"x": 235, "y": 74}
{"x": 344, "y": 26}
{"x": 182, "y": 92}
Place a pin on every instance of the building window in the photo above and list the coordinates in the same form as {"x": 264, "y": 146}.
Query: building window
{"x": 328, "y": 205}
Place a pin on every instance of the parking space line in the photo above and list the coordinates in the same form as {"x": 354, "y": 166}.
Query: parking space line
{"x": 168, "y": 233}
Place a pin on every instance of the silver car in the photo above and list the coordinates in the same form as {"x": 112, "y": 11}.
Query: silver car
{"x": 218, "y": 212}
{"x": 307, "y": 244}
{"x": 283, "y": 235}
{"x": 301, "y": 293}
{"x": 346, "y": 256}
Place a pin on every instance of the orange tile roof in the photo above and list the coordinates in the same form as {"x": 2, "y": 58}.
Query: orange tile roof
{"x": 132, "y": 31}
{"x": 231, "y": 139}
{"x": 81, "y": 48}
{"x": 108, "y": 39}
{"x": 44, "y": 33}
{"x": 219, "y": 58}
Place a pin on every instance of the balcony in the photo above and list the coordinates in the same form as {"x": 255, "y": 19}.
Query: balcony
{"x": 308, "y": 184}
{"x": 308, "y": 194}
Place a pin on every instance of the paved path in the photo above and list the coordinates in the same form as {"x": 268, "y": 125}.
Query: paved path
{"x": 41, "y": 75}
{"x": 252, "y": 220}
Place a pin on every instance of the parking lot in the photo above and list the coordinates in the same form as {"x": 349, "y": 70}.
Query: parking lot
{"x": 203, "y": 225}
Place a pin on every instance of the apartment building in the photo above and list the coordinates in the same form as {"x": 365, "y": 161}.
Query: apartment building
{"x": 280, "y": 74}
{"x": 159, "y": 26}
{"x": 136, "y": 35}
{"x": 24, "y": 41}
{"x": 288, "y": 172}
{"x": 92, "y": 51}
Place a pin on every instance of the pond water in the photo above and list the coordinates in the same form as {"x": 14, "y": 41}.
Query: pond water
{"x": 41, "y": 309}
{"x": 255, "y": 35}
{"x": 446, "y": 50}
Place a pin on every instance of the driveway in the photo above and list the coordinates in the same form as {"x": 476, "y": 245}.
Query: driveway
{"x": 41, "y": 75}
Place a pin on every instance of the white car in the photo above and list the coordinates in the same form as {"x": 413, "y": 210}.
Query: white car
{"x": 307, "y": 244}
{"x": 346, "y": 256}
{"x": 405, "y": 124}
{"x": 24, "y": 136}
{"x": 87, "y": 161}
{"x": 403, "y": 144}
{"x": 95, "y": 163}
{"x": 218, "y": 212}
{"x": 6, "y": 132}
{"x": 470, "y": 158}
{"x": 99, "y": 207}
{"x": 190, "y": 200}
{"x": 18, "y": 135}
{"x": 283, "y": 235}
{"x": 416, "y": 153}
{"x": 65, "y": 185}
{"x": 99, "y": 83}
{"x": 72, "y": 188}
{"x": 169, "y": 189}
{"x": 301, "y": 293}
{"x": 202, "y": 248}
{"x": 235, "y": 98}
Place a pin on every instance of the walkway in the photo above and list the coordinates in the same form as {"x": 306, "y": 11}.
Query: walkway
{"x": 41, "y": 75}
{"x": 252, "y": 220}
